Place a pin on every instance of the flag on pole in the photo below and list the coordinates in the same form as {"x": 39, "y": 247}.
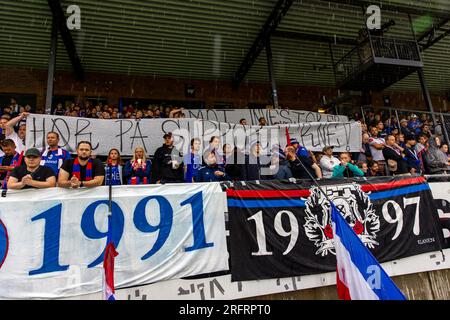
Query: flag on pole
{"x": 108, "y": 265}
{"x": 120, "y": 105}
{"x": 359, "y": 275}
{"x": 288, "y": 137}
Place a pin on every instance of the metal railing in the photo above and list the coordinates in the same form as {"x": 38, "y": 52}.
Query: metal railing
{"x": 397, "y": 49}
{"x": 373, "y": 48}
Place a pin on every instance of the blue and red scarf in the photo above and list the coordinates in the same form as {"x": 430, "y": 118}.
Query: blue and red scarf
{"x": 76, "y": 169}
{"x": 16, "y": 161}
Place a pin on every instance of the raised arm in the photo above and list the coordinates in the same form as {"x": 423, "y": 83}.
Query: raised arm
{"x": 9, "y": 126}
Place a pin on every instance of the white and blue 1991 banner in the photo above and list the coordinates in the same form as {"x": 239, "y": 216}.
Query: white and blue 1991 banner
{"x": 52, "y": 241}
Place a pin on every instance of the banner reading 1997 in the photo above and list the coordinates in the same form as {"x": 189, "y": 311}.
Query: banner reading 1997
{"x": 52, "y": 241}
{"x": 280, "y": 229}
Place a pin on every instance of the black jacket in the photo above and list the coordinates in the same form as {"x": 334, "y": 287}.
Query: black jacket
{"x": 162, "y": 165}
{"x": 255, "y": 168}
{"x": 389, "y": 154}
{"x": 298, "y": 171}
{"x": 233, "y": 166}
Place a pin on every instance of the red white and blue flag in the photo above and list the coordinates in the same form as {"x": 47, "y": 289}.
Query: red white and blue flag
{"x": 359, "y": 275}
{"x": 108, "y": 266}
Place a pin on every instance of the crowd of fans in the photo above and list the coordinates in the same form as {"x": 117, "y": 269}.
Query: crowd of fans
{"x": 413, "y": 147}
{"x": 409, "y": 145}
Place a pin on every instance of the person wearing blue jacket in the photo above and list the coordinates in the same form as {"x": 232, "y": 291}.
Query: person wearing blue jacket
{"x": 211, "y": 172}
{"x": 138, "y": 169}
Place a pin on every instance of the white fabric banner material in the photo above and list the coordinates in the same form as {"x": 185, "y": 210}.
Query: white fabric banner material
{"x": 272, "y": 116}
{"x": 52, "y": 241}
{"x": 126, "y": 134}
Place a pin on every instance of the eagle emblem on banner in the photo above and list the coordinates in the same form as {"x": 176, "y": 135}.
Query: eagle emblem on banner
{"x": 356, "y": 208}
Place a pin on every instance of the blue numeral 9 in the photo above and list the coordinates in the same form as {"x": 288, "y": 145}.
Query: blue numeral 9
{"x": 115, "y": 226}
{"x": 164, "y": 226}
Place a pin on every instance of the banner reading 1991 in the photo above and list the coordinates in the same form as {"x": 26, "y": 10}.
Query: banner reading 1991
{"x": 52, "y": 241}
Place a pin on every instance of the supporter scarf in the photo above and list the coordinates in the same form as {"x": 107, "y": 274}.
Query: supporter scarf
{"x": 136, "y": 180}
{"x": 76, "y": 169}
{"x": 16, "y": 161}
{"x": 397, "y": 151}
{"x": 59, "y": 154}
{"x": 134, "y": 164}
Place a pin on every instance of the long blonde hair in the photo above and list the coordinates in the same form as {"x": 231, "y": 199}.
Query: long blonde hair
{"x": 144, "y": 157}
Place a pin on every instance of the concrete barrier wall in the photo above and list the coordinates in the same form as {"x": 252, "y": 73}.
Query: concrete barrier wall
{"x": 432, "y": 285}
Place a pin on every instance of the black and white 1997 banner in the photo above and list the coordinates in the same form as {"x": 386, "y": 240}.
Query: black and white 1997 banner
{"x": 283, "y": 229}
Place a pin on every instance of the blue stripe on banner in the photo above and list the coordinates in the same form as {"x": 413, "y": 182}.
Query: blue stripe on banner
{"x": 366, "y": 263}
{"x": 265, "y": 203}
{"x": 399, "y": 192}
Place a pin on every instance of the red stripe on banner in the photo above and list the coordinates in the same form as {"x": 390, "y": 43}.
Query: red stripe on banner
{"x": 268, "y": 193}
{"x": 393, "y": 184}
{"x": 305, "y": 193}
{"x": 342, "y": 290}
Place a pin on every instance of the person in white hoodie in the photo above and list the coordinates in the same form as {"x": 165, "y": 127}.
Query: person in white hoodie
{"x": 328, "y": 162}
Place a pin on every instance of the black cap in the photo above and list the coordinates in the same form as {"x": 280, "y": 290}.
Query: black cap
{"x": 168, "y": 134}
{"x": 33, "y": 152}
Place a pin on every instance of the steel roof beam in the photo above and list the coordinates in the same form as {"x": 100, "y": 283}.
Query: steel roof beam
{"x": 431, "y": 34}
{"x": 315, "y": 38}
{"x": 278, "y": 12}
{"x": 393, "y": 7}
{"x": 66, "y": 36}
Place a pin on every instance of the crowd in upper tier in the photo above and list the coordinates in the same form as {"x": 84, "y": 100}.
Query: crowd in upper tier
{"x": 411, "y": 145}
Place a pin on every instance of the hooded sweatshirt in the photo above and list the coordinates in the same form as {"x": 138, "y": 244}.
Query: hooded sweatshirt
{"x": 436, "y": 160}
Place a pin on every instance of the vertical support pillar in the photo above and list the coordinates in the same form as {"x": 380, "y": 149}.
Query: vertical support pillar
{"x": 332, "y": 62}
{"x": 444, "y": 128}
{"x": 426, "y": 92}
{"x": 51, "y": 68}
{"x": 423, "y": 84}
{"x": 272, "y": 74}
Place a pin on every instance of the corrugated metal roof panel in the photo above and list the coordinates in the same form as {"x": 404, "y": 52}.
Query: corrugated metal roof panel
{"x": 206, "y": 39}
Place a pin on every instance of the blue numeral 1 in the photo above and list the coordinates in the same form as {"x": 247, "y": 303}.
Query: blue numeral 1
{"x": 196, "y": 202}
{"x": 51, "y": 241}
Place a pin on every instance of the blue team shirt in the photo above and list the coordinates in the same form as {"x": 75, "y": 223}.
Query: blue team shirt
{"x": 115, "y": 175}
{"x": 193, "y": 164}
{"x": 52, "y": 159}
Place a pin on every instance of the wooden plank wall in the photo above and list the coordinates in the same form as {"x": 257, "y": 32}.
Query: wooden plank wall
{"x": 432, "y": 285}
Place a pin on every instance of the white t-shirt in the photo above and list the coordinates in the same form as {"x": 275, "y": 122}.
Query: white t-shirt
{"x": 20, "y": 146}
{"x": 377, "y": 154}
{"x": 327, "y": 164}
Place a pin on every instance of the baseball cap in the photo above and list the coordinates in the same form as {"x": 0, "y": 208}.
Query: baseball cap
{"x": 294, "y": 141}
{"x": 33, "y": 152}
{"x": 167, "y": 135}
{"x": 326, "y": 148}
{"x": 413, "y": 116}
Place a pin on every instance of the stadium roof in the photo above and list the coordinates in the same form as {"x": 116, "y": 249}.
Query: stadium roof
{"x": 209, "y": 39}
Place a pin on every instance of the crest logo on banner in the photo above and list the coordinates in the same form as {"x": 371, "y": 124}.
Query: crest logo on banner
{"x": 3, "y": 243}
{"x": 357, "y": 210}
